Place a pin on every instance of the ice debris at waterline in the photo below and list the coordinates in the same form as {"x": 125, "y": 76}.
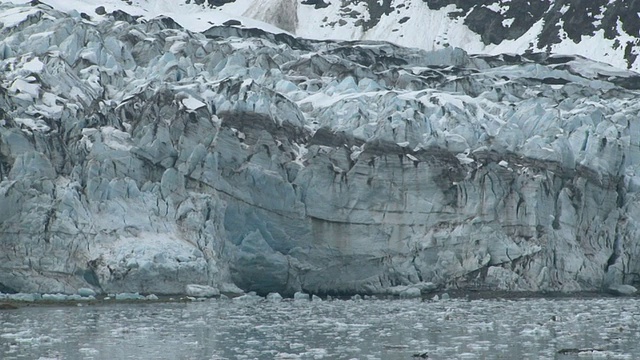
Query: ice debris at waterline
{"x": 136, "y": 156}
{"x": 384, "y": 330}
{"x": 35, "y": 297}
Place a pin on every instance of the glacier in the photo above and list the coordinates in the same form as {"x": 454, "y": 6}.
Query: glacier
{"x": 137, "y": 156}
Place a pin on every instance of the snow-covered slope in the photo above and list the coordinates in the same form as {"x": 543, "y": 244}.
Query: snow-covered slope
{"x": 191, "y": 16}
{"x": 136, "y": 155}
{"x": 601, "y": 30}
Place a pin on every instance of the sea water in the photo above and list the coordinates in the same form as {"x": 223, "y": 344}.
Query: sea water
{"x": 338, "y": 329}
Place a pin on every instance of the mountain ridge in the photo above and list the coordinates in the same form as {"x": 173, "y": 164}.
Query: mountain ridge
{"x": 601, "y": 30}
{"x": 557, "y": 25}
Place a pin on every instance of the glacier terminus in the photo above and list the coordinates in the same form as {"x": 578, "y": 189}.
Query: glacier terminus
{"x": 137, "y": 155}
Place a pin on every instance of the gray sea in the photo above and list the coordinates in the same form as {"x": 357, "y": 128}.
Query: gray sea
{"x": 340, "y": 329}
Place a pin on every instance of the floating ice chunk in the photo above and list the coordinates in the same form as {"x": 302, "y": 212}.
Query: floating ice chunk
{"x": 426, "y": 286}
{"x": 535, "y": 331}
{"x": 129, "y": 296}
{"x": 90, "y": 352}
{"x": 86, "y": 292}
{"x": 251, "y": 296}
{"x": 622, "y": 289}
{"x": 467, "y": 356}
{"x": 16, "y": 335}
{"x": 55, "y": 297}
{"x": 316, "y": 298}
{"x": 300, "y": 296}
{"x": 410, "y": 293}
{"x": 503, "y": 163}
{"x": 151, "y": 297}
{"x": 230, "y": 288}
{"x": 274, "y": 297}
{"x": 284, "y": 355}
{"x": 201, "y": 290}
{"x": 24, "y": 297}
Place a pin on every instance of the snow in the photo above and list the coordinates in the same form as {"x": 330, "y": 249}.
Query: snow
{"x": 32, "y": 124}
{"x": 14, "y": 16}
{"x": 495, "y": 7}
{"x": 34, "y": 65}
{"x": 190, "y": 16}
{"x": 192, "y": 103}
{"x": 22, "y": 86}
{"x": 426, "y": 28}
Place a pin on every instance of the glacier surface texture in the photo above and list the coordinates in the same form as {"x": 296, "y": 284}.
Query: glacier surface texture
{"x": 138, "y": 156}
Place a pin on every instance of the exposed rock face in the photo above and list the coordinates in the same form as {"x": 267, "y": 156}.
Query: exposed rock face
{"x": 288, "y": 165}
{"x": 544, "y": 23}
{"x": 599, "y": 29}
{"x": 562, "y": 19}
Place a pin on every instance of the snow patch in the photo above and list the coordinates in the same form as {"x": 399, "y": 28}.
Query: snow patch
{"x": 192, "y": 103}
{"x": 32, "y": 124}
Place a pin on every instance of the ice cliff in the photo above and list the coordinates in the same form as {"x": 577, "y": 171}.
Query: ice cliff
{"x": 139, "y": 156}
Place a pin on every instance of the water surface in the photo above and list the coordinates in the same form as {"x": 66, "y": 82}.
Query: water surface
{"x": 374, "y": 329}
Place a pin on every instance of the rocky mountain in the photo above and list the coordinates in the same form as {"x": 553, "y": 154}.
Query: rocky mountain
{"x": 603, "y": 30}
{"x": 138, "y": 155}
